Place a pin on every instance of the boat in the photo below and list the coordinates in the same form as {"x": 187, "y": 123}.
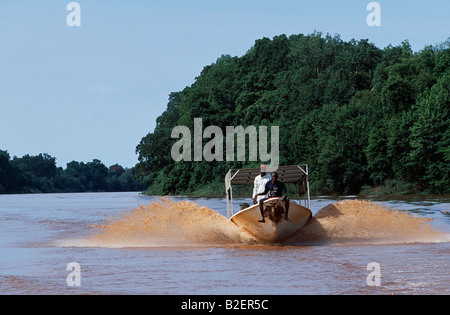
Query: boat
{"x": 276, "y": 228}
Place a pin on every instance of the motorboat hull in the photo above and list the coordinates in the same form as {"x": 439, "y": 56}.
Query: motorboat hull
{"x": 276, "y": 228}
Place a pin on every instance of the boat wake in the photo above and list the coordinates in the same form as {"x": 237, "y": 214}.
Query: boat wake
{"x": 165, "y": 222}
{"x": 365, "y": 222}
{"x": 168, "y": 223}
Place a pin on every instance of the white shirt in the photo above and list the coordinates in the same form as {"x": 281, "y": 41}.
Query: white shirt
{"x": 260, "y": 185}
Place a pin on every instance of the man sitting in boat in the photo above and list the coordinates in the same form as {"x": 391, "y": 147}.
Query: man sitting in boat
{"x": 260, "y": 184}
{"x": 274, "y": 188}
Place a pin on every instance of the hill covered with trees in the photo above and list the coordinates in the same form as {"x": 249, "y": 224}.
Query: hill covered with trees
{"x": 363, "y": 118}
{"x": 39, "y": 174}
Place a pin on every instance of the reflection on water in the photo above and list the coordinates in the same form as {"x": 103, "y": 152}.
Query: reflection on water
{"x": 128, "y": 243}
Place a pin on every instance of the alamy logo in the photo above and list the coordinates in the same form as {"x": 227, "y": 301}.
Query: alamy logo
{"x": 74, "y": 17}
{"x": 74, "y": 277}
{"x": 374, "y": 17}
{"x": 214, "y": 149}
{"x": 374, "y": 278}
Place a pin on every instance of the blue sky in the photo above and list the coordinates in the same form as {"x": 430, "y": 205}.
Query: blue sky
{"x": 92, "y": 92}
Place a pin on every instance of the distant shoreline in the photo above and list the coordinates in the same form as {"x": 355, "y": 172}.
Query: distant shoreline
{"x": 360, "y": 196}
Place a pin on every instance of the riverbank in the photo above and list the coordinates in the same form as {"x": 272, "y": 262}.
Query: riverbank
{"x": 391, "y": 188}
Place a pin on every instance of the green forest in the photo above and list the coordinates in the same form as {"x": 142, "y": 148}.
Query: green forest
{"x": 40, "y": 174}
{"x": 365, "y": 119}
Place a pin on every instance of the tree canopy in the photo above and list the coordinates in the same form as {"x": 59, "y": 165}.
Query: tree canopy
{"x": 39, "y": 174}
{"x": 360, "y": 116}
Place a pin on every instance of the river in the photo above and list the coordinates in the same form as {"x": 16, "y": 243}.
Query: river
{"x": 127, "y": 243}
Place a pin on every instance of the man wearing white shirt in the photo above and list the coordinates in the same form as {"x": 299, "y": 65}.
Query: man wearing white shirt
{"x": 260, "y": 184}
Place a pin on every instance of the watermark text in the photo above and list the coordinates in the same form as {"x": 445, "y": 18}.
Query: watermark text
{"x": 74, "y": 277}
{"x": 214, "y": 149}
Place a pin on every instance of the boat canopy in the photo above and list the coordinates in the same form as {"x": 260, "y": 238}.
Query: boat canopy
{"x": 297, "y": 174}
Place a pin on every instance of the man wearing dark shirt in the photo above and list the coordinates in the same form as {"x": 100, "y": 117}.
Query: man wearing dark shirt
{"x": 275, "y": 188}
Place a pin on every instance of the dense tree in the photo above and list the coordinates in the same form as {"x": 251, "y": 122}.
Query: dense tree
{"x": 39, "y": 174}
{"x": 360, "y": 116}
{"x": 11, "y": 177}
{"x": 428, "y": 140}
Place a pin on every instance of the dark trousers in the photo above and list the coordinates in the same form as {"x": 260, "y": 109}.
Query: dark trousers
{"x": 286, "y": 206}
